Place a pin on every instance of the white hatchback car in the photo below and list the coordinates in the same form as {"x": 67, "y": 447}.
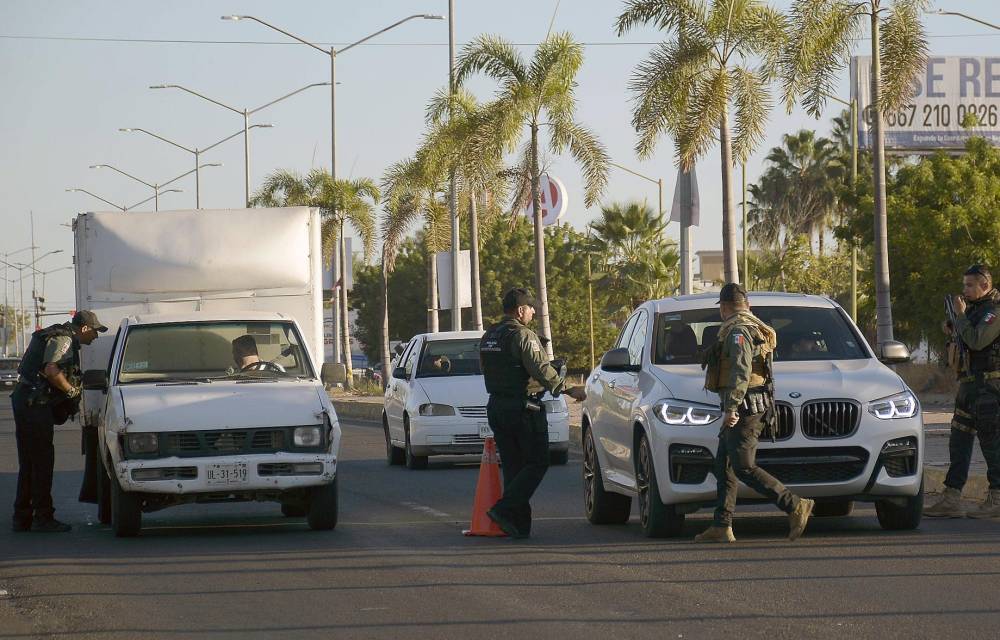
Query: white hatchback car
{"x": 850, "y": 428}
{"x": 435, "y": 402}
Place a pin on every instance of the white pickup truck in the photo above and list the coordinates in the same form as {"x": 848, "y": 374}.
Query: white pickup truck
{"x": 179, "y": 413}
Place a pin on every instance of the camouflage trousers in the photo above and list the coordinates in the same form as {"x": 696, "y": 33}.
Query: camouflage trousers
{"x": 977, "y": 414}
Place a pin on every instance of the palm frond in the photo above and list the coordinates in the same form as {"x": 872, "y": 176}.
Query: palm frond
{"x": 588, "y": 152}
{"x": 751, "y": 106}
{"x": 706, "y": 109}
{"x": 903, "y": 46}
{"x": 665, "y": 15}
{"x": 492, "y": 55}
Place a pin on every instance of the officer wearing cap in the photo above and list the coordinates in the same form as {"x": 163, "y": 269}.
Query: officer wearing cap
{"x": 738, "y": 368}
{"x": 515, "y": 365}
{"x": 47, "y": 393}
{"x": 977, "y": 405}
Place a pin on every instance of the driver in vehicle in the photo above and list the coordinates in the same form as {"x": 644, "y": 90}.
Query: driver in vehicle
{"x": 248, "y": 359}
{"x": 437, "y": 364}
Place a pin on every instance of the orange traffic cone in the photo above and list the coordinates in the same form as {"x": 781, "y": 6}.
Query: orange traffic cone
{"x": 488, "y": 491}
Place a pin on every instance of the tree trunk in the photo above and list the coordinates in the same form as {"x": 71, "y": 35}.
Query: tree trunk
{"x": 477, "y": 294}
{"x": 883, "y": 301}
{"x": 729, "y": 262}
{"x": 345, "y": 323}
{"x": 386, "y": 351}
{"x": 540, "y": 284}
{"x": 432, "y": 295}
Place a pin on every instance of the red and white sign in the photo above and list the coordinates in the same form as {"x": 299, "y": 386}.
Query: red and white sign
{"x": 554, "y": 200}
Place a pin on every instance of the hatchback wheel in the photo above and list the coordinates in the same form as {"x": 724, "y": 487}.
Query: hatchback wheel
{"x": 602, "y": 507}
{"x": 656, "y": 519}
{"x": 412, "y": 461}
{"x": 393, "y": 454}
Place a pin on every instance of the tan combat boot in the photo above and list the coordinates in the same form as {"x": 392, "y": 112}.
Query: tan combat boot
{"x": 797, "y": 519}
{"x": 990, "y": 508}
{"x": 948, "y": 506}
{"x": 716, "y": 534}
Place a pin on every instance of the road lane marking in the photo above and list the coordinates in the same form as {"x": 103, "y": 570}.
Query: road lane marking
{"x": 425, "y": 509}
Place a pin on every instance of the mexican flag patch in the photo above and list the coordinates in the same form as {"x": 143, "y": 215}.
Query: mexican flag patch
{"x": 990, "y": 317}
{"x": 738, "y": 339}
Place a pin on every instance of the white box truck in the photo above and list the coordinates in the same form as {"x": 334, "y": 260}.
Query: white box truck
{"x": 212, "y": 387}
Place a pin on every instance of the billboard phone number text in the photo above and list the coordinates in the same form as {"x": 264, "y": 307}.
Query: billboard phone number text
{"x": 936, "y": 116}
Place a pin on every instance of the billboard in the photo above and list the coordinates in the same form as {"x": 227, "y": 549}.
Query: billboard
{"x": 948, "y": 91}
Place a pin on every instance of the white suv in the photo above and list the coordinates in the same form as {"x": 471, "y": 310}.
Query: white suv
{"x": 850, "y": 428}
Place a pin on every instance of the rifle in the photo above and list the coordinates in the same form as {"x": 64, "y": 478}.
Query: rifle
{"x": 957, "y": 350}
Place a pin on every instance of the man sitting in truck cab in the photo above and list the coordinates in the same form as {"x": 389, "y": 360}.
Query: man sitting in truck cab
{"x": 247, "y": 359}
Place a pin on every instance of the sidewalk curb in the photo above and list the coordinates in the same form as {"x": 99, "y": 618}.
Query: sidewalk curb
{"x": 358, "y": 409}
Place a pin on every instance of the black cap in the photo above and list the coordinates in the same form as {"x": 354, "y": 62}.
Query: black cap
{"x": 517, "y": 297}
{"x": 979, "y": 270}
{"x": 88, "y": 318}
{"x": 733, "y": 293}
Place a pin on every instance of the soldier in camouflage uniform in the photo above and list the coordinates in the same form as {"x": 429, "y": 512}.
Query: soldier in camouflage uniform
{"x": 739, "y": 369}
{"x": 977, "y": 405}
{"x": 515, "y": 366}
{"x": 47, "y": 393}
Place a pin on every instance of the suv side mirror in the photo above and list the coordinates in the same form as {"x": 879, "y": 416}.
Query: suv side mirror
{"x": 893, "y": 352}
{"x": 618, "y": 360}
{"x": 333, "y": 373}
{"x": 95, "y": 380}
{"x": 399, "y": 373}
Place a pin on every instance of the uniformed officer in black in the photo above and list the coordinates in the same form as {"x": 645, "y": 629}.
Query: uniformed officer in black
{"x": 515, "y": 366}
{"x": 47, "y": 392}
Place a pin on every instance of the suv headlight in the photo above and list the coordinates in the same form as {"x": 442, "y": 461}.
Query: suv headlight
{"x": 142, "y": 442}
{"x": 688, "y": 414}
{"x": 901, "y": 405}
{"x": 307, "y": 436}
{"x": 433, "y": 409}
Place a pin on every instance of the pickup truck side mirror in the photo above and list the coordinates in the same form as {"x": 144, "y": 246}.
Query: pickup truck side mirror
{"x": 893, "y": 352}
{"x": 333, "y": 373}
{"x": 399, "y": 373}
{"x": 95, "y": 380}
{"x": 618, "y": 360}
{"x": 559, "y": 364}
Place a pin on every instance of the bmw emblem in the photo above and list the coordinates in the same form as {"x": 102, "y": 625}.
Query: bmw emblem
{"x": 795, "y": 394}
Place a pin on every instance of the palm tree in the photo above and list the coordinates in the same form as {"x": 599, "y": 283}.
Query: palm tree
{"x": 450, "y": 149}
{"x": 530, "y": 97}
{"x": 821, "y": 44}
{"x": 638, "y": 262}
{"x": 688, "y": 85}
{"x": 352, "y": 200}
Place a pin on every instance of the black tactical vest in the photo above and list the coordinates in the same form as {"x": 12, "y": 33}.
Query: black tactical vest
{"x": 33, "y": 361}
{"x": 987, "y": 359}
{"x": 503, "y": 373}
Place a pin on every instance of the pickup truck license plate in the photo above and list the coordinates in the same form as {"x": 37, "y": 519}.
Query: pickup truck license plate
{"x": 226, "y": 474}
{"x": 485, "y": 431}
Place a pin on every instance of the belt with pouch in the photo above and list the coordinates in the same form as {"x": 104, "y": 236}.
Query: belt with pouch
{"x": 980, "y": 377}
{"x": 757, "y": 400}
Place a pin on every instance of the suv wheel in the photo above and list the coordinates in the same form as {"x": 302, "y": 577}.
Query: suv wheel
{"x": 393, "y": 454}
{"x": 901, "y": 518}
{"x": 657, "y": 519}
{"x": 602, "y": 507}
{"x": 412, "y": 461}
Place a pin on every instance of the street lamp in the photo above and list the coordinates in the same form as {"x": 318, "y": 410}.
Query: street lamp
{"x": 142, "y": 202}
{"x": 246, "y": 113}
{"x": 6, "y": 303}
{"x": 333, "y": 52}
{"x": 657, "y": 181}
{"x": 94, "y": 195}
{"x": 196, "y": 151}
{"x": 20, "y": 266}
{"x": 155, "y": 187}
{"x": 942, "y": 12}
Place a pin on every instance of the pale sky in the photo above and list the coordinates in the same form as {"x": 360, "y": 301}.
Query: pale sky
{"x": 75, "y": 71}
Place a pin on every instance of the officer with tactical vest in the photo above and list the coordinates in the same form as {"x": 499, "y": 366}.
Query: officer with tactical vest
{"x": 516, "y": 369}
{"x": 47, "y": 394}
{"x": 976, "y": 356}
{"x": 738, "y": 368}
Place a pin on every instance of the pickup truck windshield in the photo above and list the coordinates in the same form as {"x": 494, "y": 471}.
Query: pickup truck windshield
{"x": 446, "y": 358}
{"x": 804, "y": 333}
{"x": 213, "y": 350}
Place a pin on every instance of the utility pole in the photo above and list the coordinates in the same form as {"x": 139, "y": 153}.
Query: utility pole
{"x": 456, "y": 305}
{"x": 34, "y": 293}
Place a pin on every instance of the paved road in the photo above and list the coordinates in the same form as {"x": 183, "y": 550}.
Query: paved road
{"x": 397, "y": 564}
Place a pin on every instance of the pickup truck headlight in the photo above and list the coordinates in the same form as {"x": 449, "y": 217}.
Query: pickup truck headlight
{"x": 433, "y": 409}
{"x": 142, "y": 442}
{"x": 307, "y": 436}
{"x": 687, "y": 414}
{"x": 556, "y": 405}
{"x": 901, "y": 405}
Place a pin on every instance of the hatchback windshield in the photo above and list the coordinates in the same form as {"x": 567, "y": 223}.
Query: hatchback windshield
{"x": 804, "y": 333}
{"x": 449, "y": 358}
{"x": 213, "y": 350}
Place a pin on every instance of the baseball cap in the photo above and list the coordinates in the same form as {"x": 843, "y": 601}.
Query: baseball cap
{"x": 733, "y": 292}
{"x": 517, "y": 297}
{"x": 89, "y": 318}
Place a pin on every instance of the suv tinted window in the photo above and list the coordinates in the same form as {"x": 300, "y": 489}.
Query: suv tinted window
{"x": 626, "y": 332}
{"x": 804, "y": 333}
{"x": 638, "y": 339}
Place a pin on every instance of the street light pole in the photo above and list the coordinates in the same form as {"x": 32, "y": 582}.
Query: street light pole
{"x": 6, "y": 304}
{"x": 340, "y": 303}
{"x": 246, "y": 113}
{"x": 94, "y": 195}
{"x": 657, "y": 181}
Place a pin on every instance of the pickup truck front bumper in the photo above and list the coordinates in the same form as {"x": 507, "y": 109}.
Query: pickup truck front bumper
{"x": 243, "y": 474}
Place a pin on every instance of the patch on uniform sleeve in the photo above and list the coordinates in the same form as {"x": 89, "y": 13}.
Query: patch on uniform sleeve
{"x": 57, "y": 349}
{"x": 990, "y": 317}
{"x": 738, "y": 339}
{"x": 535, "y": 346}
